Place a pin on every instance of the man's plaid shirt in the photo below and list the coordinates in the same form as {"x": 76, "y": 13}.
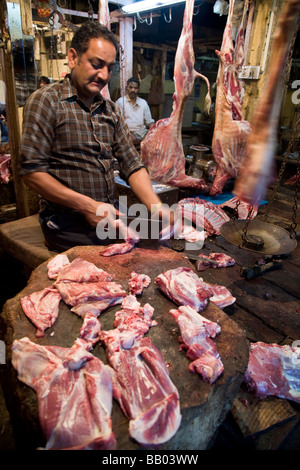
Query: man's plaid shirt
{"x": 75, "y": 145}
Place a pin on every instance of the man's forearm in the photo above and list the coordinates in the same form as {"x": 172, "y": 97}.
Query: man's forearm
{"x": 54, "y": 191}
{"x": 140, "y": 184}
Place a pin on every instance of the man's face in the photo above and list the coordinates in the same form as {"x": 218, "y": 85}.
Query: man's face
{"x": 92, "y": 70}
{"x": 132, "y": 90}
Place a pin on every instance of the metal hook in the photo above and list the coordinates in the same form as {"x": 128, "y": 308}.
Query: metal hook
{"x": 145, "y": 20}
{"x": 170, "y": 16}
{"x": 134, "y": 24}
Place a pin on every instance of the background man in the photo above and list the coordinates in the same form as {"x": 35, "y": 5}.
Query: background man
{"x": 135, "y": 111}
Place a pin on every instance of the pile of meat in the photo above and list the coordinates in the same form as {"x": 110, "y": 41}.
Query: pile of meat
{"x": 192, "y": 294}
{"x": 74, "y": 388}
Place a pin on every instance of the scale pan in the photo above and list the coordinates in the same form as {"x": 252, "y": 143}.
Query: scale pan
{"x": 275, "y": 240}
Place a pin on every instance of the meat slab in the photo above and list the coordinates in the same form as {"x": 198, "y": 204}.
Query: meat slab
{"x": 274, "y": 370}
{"x": 74, "y": 403}
{"x": 141, "y": 384}
{"x": 196, "y": 332}
{"x": 257, "y": 170}
{"x": 231, "y": 130}
{"x": 162, "y": 150}
{"x": 214, "y": 260}
{"x": 184, "y": 287}
{"x": 42, "y": 308}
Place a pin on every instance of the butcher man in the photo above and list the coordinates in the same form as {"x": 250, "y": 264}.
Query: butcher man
{"x": 71, "y": 136}
{"x": 135, "y": 111}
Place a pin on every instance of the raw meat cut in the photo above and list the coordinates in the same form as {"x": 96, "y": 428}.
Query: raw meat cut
{"x": 274, "y": 370}
{"x": 42, "y": 308}
{"x": 222, "y": 297}
{"x": 80, "y": 270}
{"x": 214, "y": 260}
{"x": 196, "y": 332}
{"x": 74, "y": 404}
{"x": 96, "y": 306}
{"x": 141, "y": 385}
{"x": 145, "y": 392}
{"x": 131, "y": 323}
{"x": 231, "y": 131}
{"x": 204, "y": 214}
{"x": 137, "y": 282}
{"x": 5, "y": 168}
{"x": 243, "y": 208}
{"x": 162, "y": 149}
{"x": 90, "y": 329}
{"x": 117, "y": 249}
{"x": 75, "y": 293}
{"x": 184, "y": 287}
{"x": 257, "y": 171}
{"x": 56, "y": 264}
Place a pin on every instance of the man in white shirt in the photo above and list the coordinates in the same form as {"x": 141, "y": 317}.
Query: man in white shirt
{"x": 135, "y": 111}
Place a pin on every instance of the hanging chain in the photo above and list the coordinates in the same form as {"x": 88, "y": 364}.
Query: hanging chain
{"x": 51, "y": 24}
{"x": 295, "y": 205}
{"x": 245, "y": 229}
{"x": 90, "y": 11}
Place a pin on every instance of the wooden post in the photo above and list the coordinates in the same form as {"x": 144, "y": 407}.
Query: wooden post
{"x": 12, "y": 112}
{"x": 26, "y": 199}
{"x": 126, "y": 61}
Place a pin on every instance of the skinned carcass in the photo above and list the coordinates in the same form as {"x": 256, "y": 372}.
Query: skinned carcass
{"x": 231, "y": 131}
{"x": 162, "y": 149}
{"x": 257, "y": 170}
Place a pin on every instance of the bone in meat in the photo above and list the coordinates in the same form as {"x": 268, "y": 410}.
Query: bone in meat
{"x": 273, "y": 370}
{"x": 196, "y": 331}
{"x": 231, "y": 131}
{"x": 141, "y": 384}
{"x": 162, "y": 150}
{"x": 256, "y": 172}
{"x": 74, "y": 404}
{"x": 42, "y": 308}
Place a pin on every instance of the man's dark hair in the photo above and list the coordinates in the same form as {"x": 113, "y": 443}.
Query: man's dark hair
{"x": 44, "y": 79}
{"x": 90, "y": 30}
{"x": 133, "y": 79}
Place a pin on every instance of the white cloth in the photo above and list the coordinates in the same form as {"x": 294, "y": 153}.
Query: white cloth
{"x": 137, "y": 116}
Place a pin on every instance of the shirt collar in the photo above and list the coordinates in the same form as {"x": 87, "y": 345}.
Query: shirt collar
{"x": 69, "y": 91}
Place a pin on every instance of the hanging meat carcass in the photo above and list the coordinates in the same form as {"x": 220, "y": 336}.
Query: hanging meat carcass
{"x": 231, "y": 130}
{"x": 256, "y": 172}
{"x": 162, "y": 149}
